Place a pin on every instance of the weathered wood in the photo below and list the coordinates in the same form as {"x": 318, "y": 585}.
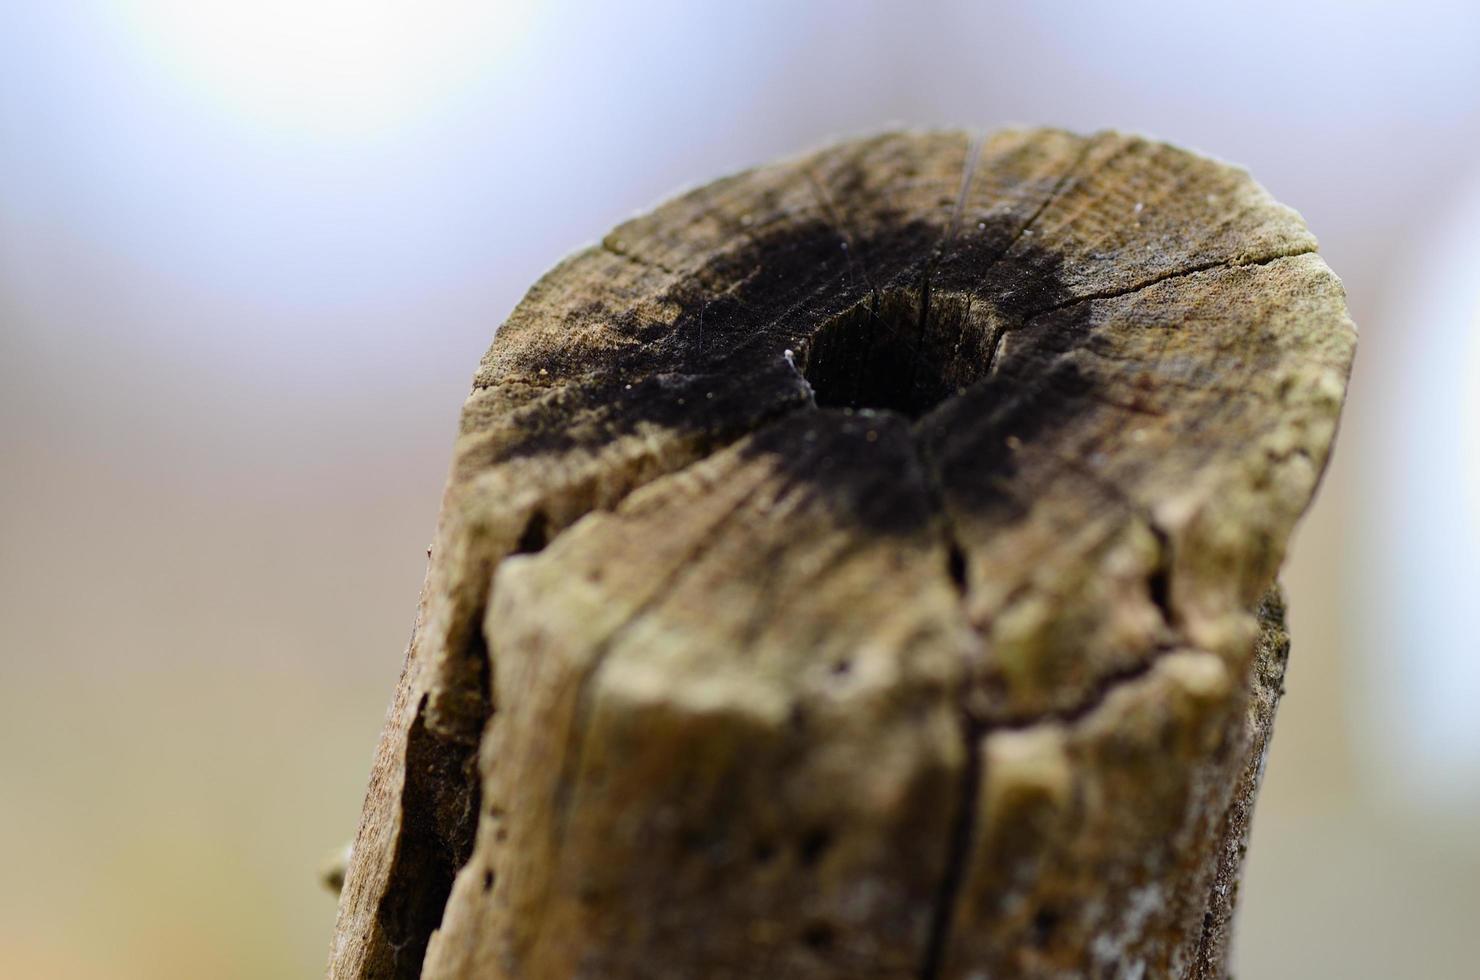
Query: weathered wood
{"x": 853, "y": 569}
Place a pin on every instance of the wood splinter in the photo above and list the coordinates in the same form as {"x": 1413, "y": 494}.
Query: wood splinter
{"x": 862, "y": 567}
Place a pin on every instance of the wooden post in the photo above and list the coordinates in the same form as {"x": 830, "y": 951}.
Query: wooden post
{"x": 861, "y": 567}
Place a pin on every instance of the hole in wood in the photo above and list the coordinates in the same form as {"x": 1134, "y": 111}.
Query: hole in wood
{"x": 535, "y": 536}
{"x": 814, "y": 844}
{"x": 818, "y": 936}
{"x": 956, "y": 565}
{"x": 764, "y": 851}
{"x": 1045, "y": 922}
{"x": 890, "y": 353}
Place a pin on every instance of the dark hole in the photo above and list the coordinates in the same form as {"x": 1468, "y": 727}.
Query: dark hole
{"x": 488, "y": 879}
{"x": 956, "y": 565}
{"x": 814, "y": 844}
{"x": 765, "y": 850}
{"x": 535, "y": 536}
{"x": 1045, "y": 921}
{"x": 818, "y": 936}
{"x": 1160, "y": 586}
{"x": 886, "y": 354}
{"x": 1159, "y": 583}
{"x": 842, "y": 667}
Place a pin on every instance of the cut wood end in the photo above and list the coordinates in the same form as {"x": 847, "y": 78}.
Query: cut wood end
{"x": 852, "y": 567}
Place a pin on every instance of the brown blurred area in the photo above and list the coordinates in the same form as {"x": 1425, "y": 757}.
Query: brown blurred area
{"x": 245, "y": 276}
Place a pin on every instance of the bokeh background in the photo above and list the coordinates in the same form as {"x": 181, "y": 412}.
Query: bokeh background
{"x": 251, "y": 252}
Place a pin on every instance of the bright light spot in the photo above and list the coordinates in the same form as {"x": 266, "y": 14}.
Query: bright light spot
{"x": 339, "y": 66}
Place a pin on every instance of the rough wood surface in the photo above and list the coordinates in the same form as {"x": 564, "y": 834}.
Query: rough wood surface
{"x": 853, "y": 568}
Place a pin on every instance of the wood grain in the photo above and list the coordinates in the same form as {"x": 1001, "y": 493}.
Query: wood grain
{"x": 855, "y": 568}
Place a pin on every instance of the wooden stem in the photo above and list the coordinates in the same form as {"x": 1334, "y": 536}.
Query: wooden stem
{"x": 862, "y": 567}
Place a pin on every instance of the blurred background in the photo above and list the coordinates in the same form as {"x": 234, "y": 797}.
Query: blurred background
{"x": 250, "y": 254}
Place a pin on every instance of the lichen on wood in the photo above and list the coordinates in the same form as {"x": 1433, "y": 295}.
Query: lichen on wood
{"x": 861, "y": 566}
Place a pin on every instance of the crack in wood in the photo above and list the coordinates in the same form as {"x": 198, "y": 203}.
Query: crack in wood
{"x": 1157, "y": 280}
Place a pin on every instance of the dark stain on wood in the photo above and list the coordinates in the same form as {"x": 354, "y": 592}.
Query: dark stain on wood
{"x": 882, "y": 366}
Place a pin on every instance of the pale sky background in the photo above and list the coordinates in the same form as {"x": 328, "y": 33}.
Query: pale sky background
{"x": 251, "y": 252}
